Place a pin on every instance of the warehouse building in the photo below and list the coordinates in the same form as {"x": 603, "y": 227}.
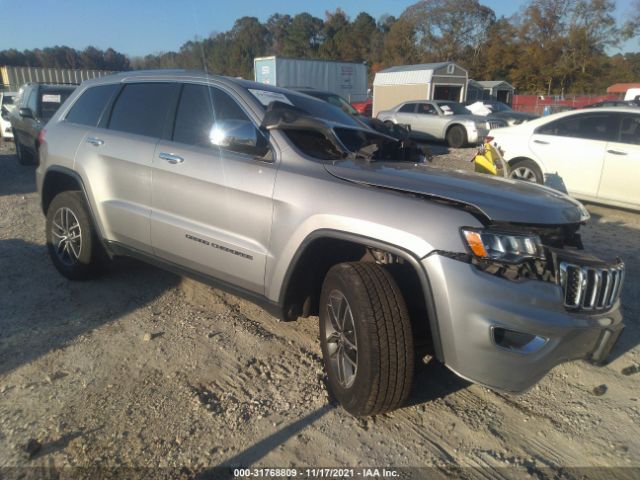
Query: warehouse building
{"x": 427, "y": 81}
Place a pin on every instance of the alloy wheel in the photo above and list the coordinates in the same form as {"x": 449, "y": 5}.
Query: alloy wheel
{"x": 66, "y": 236}
{"x": 342, "y": 343}
{"x": 524, "y": 173}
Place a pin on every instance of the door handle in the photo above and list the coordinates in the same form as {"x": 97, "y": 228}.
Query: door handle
{"x": 616, "y": 152}
{"x": 171, "y": 158}
{"x": 541, "y": 142}
{"x": 96, "y": 142}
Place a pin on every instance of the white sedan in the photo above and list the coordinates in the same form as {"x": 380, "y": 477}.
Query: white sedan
{"x": 593, "y": 154}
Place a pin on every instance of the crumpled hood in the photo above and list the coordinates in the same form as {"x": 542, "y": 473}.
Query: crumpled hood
{"x": 499, "y": 199}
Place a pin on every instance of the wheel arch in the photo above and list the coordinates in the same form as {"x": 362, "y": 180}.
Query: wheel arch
{"x": 58, "y": 179}
{"x": 302, "y": 282}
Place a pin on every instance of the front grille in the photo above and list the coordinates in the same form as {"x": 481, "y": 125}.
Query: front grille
{"x": 591, "y": 288}
{"x": 494, "y": 124}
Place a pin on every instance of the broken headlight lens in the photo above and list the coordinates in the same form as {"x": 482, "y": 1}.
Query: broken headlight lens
{"x": 502, "y": 247}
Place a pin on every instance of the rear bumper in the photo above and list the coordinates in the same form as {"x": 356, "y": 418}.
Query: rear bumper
{"x": 472, "y": 306}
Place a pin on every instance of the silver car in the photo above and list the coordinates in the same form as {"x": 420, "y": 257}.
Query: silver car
{"x": 289, "y": 202}
{"x": 441, "y": 120}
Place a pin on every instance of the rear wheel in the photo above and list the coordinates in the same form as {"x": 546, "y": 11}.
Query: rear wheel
{"x": 73, "y": 246}
{"x": 526, "y": 170}
{"x": 456, "y": 137}
{"x": 366, "y": 339}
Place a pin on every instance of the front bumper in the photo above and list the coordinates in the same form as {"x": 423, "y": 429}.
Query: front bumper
{"x": 472, "y": 305}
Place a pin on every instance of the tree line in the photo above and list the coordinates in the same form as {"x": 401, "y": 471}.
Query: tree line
{"x": 549, "y": 47}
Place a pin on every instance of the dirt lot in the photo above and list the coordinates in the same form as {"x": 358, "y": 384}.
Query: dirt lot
{"x": 143, "y": 369}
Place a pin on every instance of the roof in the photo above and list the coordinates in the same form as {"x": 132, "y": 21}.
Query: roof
{"x": 494, "y": 83}
{"x": 411, "y": 74}
{"x": 321, "y": 60}
{"x": 414, "y": 68}
{"x": 622, "y": 87}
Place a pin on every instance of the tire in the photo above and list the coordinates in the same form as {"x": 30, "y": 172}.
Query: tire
{"x": 526, "y": 170}
{"x": 376, "y": 376}
{"x": 82, "y": 257}
{"x": 456, "y": 137}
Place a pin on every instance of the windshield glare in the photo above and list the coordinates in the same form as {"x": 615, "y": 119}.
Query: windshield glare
{"x": 321, "y": 109}
{"x": 456, "y": 108}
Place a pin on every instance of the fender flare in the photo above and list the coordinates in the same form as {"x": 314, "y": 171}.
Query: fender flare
{"x": 372, "y": 242}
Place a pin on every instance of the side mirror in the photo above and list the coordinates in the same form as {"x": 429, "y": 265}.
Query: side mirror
{"x": 234, "y": 134}
{"x": 26, "y": 112}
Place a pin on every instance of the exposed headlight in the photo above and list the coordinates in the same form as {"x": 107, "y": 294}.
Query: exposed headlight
{"x": 502, "y": 247}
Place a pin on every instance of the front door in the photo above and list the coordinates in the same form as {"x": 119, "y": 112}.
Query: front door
{"x": 212, "y": 206}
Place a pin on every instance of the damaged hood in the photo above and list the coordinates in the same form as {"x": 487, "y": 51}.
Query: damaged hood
{"x": 499, "y": 199}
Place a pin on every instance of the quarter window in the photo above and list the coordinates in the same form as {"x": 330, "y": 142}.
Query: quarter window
{"x": 143, "y": 108}
{"x": 408, "y": 108}
{"x": 89, "y": 107}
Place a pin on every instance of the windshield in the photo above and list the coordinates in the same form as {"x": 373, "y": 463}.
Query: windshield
{"x": 453, "y": 108}
{"x": 312, "y": 106}
{"x": 499, "y": 107}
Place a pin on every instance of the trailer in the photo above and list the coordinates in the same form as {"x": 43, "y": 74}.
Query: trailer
{"x": 347, "y": 79}
{"x": 12, "y": 78}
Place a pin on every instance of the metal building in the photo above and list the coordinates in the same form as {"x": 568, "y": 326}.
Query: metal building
{"x": 12, "y": 78}
{"x": 427, "y": 81}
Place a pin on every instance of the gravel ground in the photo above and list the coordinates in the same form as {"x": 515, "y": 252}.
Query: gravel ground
{"x": 142, "y": 369}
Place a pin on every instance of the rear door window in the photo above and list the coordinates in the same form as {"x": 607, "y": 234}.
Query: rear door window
{"x": 51, "y": 99}
{"x": 144, "y": 108}
{"x": 600, "y": 126}
{"x": 89, "y": 107}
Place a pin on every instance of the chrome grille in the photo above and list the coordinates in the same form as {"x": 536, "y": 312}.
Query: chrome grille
{"x": 591, "y": 288}
{"x": 494, "y": 124}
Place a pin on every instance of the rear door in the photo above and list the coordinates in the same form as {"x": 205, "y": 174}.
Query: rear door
{"x": 621, "y": 171}
{"x": 572, "y": 150}
{"x": 212, "y": 206}
{"x": 115, "y": 160}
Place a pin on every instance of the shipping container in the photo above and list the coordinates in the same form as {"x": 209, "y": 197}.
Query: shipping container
{"x": 347, "y": 79}
{"x": 12, "y": 78}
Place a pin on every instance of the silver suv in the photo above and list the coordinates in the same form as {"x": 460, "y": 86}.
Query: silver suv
{"x": 287, "y": 201}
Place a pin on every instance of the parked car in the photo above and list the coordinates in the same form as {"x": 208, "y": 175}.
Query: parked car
{"x": 441, "y": 120}
{"x": 615, "y": 103}
{"x": 593, "y": 153}
{"x": 35, "y": 104}
{"x": 364, "y": 108}
{"x": 293, "y": 204}
{"x": 502, "y": 111}
{"x": 6, "y": 105}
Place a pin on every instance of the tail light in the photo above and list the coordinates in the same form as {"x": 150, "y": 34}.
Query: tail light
{"x": 41, "y": 136}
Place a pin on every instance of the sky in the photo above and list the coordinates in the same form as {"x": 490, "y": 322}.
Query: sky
{"x": 140, "y": 27}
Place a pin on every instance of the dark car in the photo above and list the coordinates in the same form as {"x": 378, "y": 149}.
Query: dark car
{"x": 35, "y": 104}
{"x": 615, "y": 103}
{"x": 502, "y": 111}
{"x": 397, "y": 131}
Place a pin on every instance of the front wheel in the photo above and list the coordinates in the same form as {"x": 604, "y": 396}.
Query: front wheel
{"x": 526, "y": 170}
{"x": 73, "y": 245}
{"x": 366, "y": 339}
